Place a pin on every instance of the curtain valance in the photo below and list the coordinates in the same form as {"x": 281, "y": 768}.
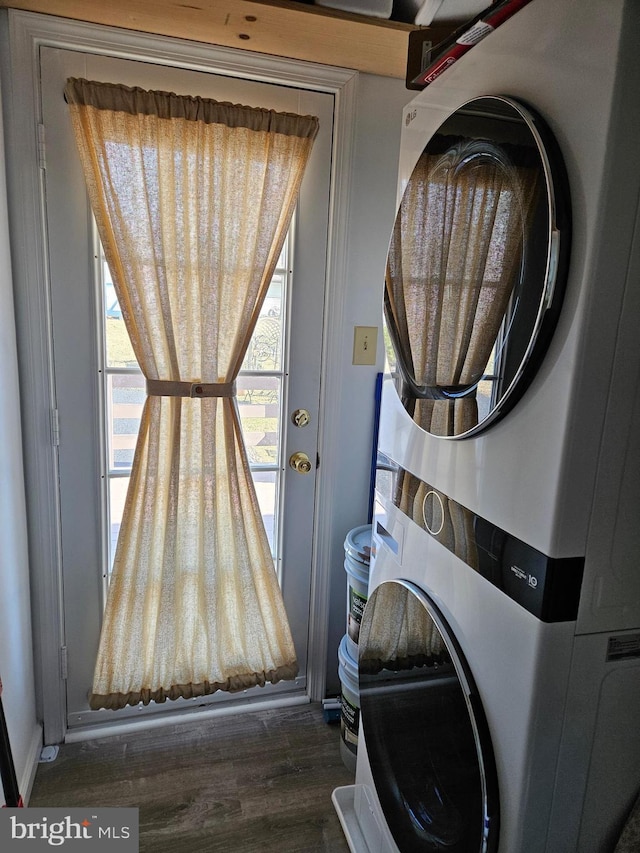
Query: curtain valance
{"x": 167, "y": 105}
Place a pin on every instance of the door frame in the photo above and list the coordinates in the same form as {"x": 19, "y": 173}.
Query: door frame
{"x": 22, "y": 35}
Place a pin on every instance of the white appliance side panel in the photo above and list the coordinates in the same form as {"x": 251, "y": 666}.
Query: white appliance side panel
{"x": 614, "y": 782}
{"x": 611, "y": 597}
{"x": 597, "y": 778}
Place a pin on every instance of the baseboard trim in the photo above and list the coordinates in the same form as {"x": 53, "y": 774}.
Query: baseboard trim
{"x": 25, "y": 783}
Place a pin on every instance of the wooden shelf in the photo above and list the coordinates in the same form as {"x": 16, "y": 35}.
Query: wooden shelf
{"x": 273, "y": 27}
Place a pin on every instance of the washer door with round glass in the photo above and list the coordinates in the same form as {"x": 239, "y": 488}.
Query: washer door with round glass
{"x": 476, "y": 266}
{"x": 427, "y": 739}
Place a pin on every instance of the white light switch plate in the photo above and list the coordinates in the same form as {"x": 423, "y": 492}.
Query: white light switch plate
{"x": 365, "y": 342}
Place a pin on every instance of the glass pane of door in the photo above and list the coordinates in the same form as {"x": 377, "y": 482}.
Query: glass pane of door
{"x": 260, "y": 397}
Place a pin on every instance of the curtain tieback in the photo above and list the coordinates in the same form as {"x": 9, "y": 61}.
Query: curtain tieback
{"x": 170, "y": 388}
{"x": 446, "y": 392}
{"x": 413, "y": 391}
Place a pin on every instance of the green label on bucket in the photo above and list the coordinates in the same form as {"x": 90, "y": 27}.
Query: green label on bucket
{"x": 356, "y": 607}
{"x": 356, "y": 603}
{"x": 349, "y": 723}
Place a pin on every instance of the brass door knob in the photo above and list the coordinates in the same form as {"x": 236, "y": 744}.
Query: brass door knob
{"x": 300, "y": 462}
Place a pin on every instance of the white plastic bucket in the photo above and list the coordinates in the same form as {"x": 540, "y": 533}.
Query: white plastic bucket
{"x": 357, "y": 549}
{"x": 349, "y": 705}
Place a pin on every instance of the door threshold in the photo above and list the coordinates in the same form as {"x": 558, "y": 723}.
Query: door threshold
{"x": 182, "y": 717}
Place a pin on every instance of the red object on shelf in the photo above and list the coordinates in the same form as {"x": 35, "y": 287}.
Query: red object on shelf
{"x": 467, "y": 37}
{"x": 12, "y": 795}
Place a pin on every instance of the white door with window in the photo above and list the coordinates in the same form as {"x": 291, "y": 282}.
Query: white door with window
{"x": 99, "y": 389}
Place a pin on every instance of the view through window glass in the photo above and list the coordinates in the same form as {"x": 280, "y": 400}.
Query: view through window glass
{"x": 260, "y": 397}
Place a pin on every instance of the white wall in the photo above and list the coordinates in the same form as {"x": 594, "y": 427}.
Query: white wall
{"x": 380, "y": 103}
{"x": 16, "y": 660}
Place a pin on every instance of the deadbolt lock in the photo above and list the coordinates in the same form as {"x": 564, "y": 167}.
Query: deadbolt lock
{"x": 300, "y": 417}
{"x": 300, "y": 462}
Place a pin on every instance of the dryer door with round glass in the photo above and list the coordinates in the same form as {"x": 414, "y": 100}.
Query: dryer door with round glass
{"x": 476, "y": 266}
{"x": 427, "y": 740}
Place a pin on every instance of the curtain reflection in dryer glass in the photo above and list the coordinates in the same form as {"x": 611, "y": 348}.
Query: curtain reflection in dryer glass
{"x": 446, "y": 520}
{"x": 455, "y": 265}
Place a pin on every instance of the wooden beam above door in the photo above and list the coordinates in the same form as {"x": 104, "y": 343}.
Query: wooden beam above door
{"x": 274, "y": 27}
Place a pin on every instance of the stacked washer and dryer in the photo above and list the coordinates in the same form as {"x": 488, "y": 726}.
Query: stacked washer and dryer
{"x": 499, "y": 651}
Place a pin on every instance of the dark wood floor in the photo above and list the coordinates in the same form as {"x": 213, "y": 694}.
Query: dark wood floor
{"x": 257, "y": 781}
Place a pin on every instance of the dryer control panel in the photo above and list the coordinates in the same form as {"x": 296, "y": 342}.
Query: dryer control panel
{"x": 548, "y": 587}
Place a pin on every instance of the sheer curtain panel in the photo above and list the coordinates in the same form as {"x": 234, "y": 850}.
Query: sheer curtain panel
{"x": 192, "y": 200}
